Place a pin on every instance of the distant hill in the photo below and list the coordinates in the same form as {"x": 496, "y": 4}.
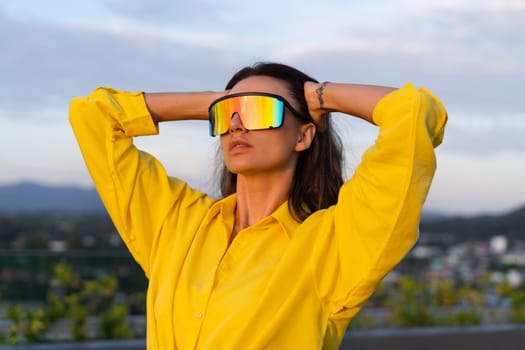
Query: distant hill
{"x": 26, "y": 197}
{"x": 511, "y": 224}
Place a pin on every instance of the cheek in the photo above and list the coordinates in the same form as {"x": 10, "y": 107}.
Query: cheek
{"x": 224, "y": 142}
{"x": 277, "y": 150}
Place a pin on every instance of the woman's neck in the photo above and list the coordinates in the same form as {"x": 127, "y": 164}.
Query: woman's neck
{"x": 259, "y": 196}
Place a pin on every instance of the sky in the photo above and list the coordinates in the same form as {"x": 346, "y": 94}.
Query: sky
{"x": 470, "y": 53}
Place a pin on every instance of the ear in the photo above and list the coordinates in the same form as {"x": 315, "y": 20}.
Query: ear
{"x": 305, "y": 137}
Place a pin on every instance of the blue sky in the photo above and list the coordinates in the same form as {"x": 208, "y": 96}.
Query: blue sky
{"x": 470, "y": 53}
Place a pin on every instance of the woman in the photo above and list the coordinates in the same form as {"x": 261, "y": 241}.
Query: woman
{"x": 289, "y": 256}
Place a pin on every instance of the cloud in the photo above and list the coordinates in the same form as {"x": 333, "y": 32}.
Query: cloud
{"x": 470, "y": 54}
{"x": 481, "y": 135}
{"x": 43, "y": 65}
{"x": 172, "y": 13}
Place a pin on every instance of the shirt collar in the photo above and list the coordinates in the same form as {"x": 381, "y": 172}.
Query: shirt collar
{"x": 225, "y": 208}
{"x": 285, "y": 219}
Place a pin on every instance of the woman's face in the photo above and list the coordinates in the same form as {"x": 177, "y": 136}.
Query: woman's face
{"x": 249, "y": 152}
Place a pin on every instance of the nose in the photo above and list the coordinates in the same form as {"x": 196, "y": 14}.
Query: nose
{"x": 236, "y": 124}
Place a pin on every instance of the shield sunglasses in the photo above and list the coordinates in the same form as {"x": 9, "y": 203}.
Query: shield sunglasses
{"x": 257, "y": 111}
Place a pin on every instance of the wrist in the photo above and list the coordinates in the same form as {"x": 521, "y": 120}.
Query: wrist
{"x": 319, "y": 91}
{"x": 312, "y": 97}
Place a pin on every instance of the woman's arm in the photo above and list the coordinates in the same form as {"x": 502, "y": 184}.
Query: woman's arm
{"x": 375, "y": 221}
{"x": 134, "y": 186}
{"x": 354, "y": 99}
{"x": 171, "y": 106}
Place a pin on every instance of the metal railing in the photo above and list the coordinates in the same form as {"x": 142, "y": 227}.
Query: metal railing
{"x": 508, "y": 337}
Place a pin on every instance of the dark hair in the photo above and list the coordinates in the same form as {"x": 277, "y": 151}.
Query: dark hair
{"x": 322, "y": 162}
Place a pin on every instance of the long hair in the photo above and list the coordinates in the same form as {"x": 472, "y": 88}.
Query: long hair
{"x": 318, "y": 174}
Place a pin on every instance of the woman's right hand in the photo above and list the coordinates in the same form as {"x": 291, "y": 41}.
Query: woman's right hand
{"x": 171, "y": 106}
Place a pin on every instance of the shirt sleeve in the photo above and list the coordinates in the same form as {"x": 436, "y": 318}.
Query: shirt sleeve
{"x": 133, "y": 185}
{"x": 375, "y": 222}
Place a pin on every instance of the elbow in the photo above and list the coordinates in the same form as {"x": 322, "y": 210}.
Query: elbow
{"x": 436, "y": 117}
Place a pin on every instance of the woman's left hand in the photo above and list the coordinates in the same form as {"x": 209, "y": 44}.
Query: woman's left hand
{"x": 311, "y": 94}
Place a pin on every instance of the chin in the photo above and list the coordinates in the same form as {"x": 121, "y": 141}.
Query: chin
{"x": 239, "y": 170}
{"x": 242, "y": 168}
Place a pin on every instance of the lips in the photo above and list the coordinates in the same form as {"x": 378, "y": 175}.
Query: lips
{"x": 238, "y": 144}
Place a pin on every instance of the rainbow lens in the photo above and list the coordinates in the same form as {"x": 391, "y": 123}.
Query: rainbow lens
{"x": 257, "y": 111}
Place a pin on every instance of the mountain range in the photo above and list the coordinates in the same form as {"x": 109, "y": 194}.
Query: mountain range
{"x": 27, "y": 197}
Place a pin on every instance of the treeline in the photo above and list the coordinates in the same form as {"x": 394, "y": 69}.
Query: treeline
{"x": 95, "y": 230}
{"x": 511, "y": 225}
{"x": 26, "y": 276}
{"x": 37, "y": 230}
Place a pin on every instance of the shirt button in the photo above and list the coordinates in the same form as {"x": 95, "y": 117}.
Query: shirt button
{"x": 198, "y": 314}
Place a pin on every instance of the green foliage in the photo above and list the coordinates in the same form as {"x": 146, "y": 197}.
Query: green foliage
{"x": 56, "y": 308}
{"x": 36, "y": 325}
{"x": 137, "y": 303}
{"x": 14, "y": 313}
{"x": 504, "y": 289}
{"x": 65, "y": 279}
{"x": 517, "y": 301}
{"x": 26, "y": 326}
{"x": 99, "y": 293}
{"x": 75, "y": 299}
{"x": 77, "y": 314}
{"x": 411, "y": 303}
{"x": 467, "y": 317}
{"x": 444, "y": 294}
{"x": 114, "y": 323}
{"x": 90, "y": 297}
{"x": 408, "y": 304}
{"x": 362, "y": 321}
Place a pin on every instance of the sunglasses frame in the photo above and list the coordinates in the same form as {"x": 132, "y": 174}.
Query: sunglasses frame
{"x": 286, "y": 104}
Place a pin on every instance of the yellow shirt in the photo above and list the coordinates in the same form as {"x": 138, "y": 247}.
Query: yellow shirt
{"x": 280, "y": 284}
